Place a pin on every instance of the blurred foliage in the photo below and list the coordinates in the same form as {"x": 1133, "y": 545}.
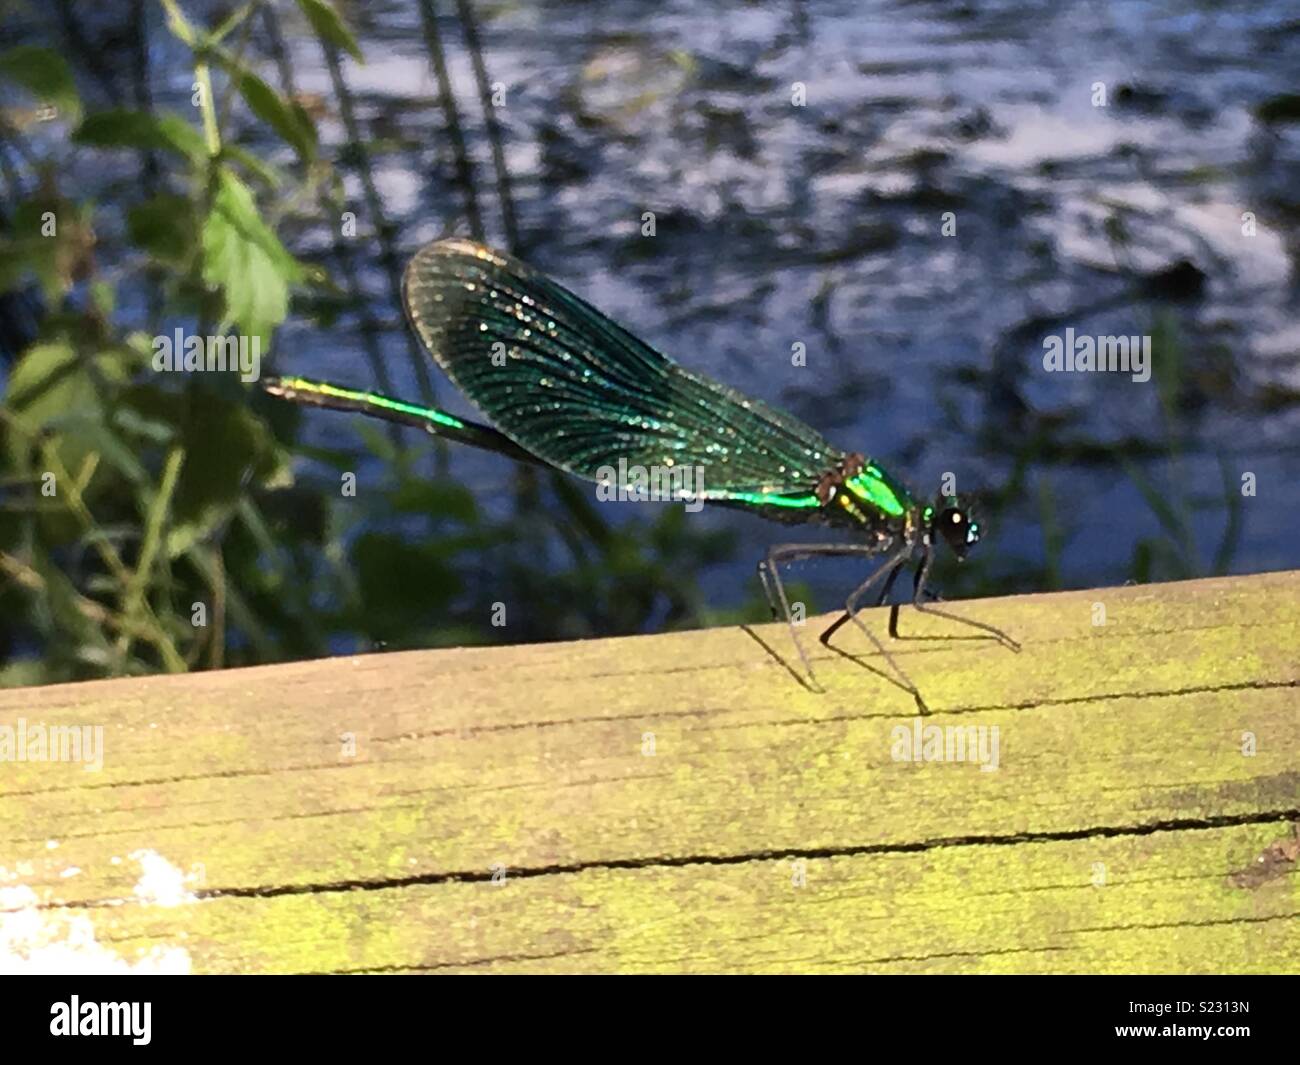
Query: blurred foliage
{"x": 153, "y": 521}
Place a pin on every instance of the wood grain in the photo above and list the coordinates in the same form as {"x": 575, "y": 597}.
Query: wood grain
{"x": 681, "y": 803}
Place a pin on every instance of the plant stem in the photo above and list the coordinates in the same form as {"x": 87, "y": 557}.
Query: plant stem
{"x": 203, "y": 76}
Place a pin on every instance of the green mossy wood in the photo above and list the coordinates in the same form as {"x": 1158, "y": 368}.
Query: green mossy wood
{"x": 681, "y": 803}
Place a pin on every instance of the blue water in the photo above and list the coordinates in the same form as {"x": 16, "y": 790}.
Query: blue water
{"x": 821, "y": 224}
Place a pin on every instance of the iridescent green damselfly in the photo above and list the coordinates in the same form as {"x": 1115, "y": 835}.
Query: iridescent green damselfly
{"x": 567, "y": 388}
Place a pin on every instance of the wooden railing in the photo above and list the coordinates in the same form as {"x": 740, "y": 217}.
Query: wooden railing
{"x": 1125, "y": 799}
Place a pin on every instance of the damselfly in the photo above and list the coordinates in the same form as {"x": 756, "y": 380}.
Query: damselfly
{"x": 566, "y": 387}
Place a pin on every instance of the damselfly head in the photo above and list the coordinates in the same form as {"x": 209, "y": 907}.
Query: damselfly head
{"x": 955, "y": 524}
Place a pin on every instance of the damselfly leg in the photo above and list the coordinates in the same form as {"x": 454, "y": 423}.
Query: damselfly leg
{"x": 882, "y": 578}
{"x": 890, "y": 568}
{"x": 769, "y": 573}
{"x": 919, "y": 596}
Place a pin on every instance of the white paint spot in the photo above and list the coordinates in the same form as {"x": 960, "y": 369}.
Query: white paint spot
{"x": 35, "y": 942}
{"x": 160, "y": 883}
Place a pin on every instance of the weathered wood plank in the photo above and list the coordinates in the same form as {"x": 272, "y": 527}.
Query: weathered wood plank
{"x": 1157, "y": 753}
{"x": 1162, "y": 902}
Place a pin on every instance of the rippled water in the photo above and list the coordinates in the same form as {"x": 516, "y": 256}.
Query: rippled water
{"x": 821, "y": 224}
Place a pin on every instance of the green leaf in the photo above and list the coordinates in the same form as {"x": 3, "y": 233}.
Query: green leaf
{"x": 165, "y": 227}
{"x": 243, "y": 256}
{"x": 180, "y": 136}
{"x": 105, "y": 297}
{"x": 46, "y": 75}
{"x": 379, "y": 444}
{"x": 51, "y": 381}
{"x": 96, "y": 436}
{"x": 290, "y": 121}
{"x": 51, "y": 390}
{"x": 132, "y": 423}
{"x": 53, "y": 239}
{"x": 329, "y": 26}
{"x": 46, "y": 381}
{"x": 442, "y": 499}
{"x": 226, "y": 447}
{"x": 402, "y": 584}
{"x": 31, "y": 255}
{"x": 271, "y": 176}
{"x": 123, "y": 128}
